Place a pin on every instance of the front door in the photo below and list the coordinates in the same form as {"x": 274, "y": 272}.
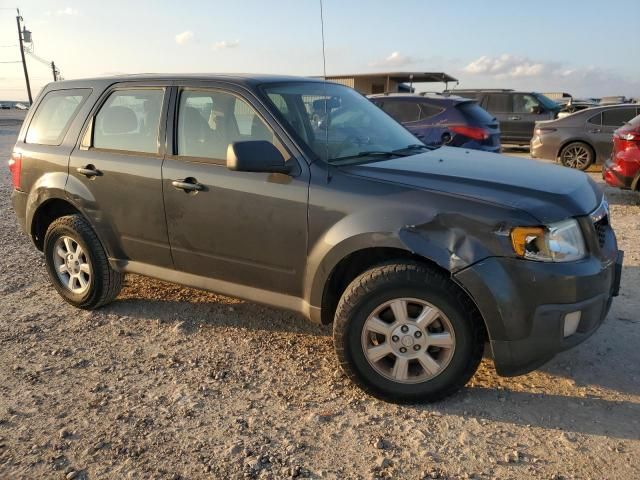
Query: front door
{"x": 525, "y": 112}
{"x": 239, "y": 227}
{"x": 117, "y": 172}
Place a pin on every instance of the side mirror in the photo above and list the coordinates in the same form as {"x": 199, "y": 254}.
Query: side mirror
{"x": 536, "y": 109}
{"x": 255, "y": 156}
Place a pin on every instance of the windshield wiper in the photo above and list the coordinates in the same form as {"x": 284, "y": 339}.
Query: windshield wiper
{"x": 374, "y": 153}
{"x": 411, "y": 148}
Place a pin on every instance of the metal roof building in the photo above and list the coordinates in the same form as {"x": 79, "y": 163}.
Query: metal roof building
{"x": 389, "y": 82}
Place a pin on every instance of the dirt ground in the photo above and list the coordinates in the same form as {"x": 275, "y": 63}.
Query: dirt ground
{"x": 174, "y": 383}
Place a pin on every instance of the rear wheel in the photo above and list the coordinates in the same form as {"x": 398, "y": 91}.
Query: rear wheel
{"x": 77, "y": 264}
{"x": 577, "y": 155}
{"x": 407, "y": 333}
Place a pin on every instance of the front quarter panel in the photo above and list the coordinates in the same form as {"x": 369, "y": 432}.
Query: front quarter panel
{"x": 353, "y": 213}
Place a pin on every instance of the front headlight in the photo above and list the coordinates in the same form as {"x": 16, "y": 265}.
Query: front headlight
{"x": 557, "y": 242}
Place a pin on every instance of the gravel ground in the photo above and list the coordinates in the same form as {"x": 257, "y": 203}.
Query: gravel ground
{"x": 174, "y": 383}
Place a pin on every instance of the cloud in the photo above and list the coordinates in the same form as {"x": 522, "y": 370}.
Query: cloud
{"x": 223, "y": 44}
{"x": 509, "y": 66}
{"x": 184, "y": 37}
{"x": 508, "y": 70}
{"x": 396, "y": 59}
{"x": 67, "y": 11}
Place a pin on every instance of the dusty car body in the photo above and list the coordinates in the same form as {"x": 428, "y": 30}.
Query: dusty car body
{"x": 583, "y": 138}
{"x": 317, "y": 218}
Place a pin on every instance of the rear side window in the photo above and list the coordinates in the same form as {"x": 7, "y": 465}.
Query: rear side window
{"x": 428, "y": 111}
{"x": 498, "y": 102}
{"x": 474, "y": 113}
{"x": 403, "y": 112}
{"x": 596, "y": 119}
{"x": 54, "y": 115}
{"x": 129, "y": 120}
{"x": 616, "y": 117}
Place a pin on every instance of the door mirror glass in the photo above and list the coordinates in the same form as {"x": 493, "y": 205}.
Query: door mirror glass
{"x": 255, "y": 156}
{"x": 536, "y": 109}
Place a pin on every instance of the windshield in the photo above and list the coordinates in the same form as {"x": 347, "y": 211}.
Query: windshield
{"x": 547, "y": 102}
{"x": 337, "y": 124}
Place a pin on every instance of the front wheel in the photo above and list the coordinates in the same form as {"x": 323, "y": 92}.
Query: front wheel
{"x": 406, "y": 333}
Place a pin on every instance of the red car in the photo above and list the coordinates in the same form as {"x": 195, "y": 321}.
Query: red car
{"x": 623, "y": 168}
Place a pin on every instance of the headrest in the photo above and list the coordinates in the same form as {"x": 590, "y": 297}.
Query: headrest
{"x": 119, "y": 120}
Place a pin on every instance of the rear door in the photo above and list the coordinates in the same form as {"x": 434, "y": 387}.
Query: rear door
{"x": 115, "y": 173}
{"x": 612, "y": 119}
{"x": 499, "y": 105}
{"x": 241, "y": 227}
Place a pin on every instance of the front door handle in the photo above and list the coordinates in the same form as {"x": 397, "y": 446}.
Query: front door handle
{"x": 515, "y": 117}
{"x": 89, "y": 171}
{"x": 595, "y": 130}
{"x": 189, "y": 184}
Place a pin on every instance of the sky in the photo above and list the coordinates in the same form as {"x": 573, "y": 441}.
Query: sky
{"x": 587, "y": 48}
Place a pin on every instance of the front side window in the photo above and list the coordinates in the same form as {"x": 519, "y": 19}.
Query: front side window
{"x": 54, "y": 115}
{"x": 210, "y": 120}
{"x": 616, "y": 117}
{"x": 129, "y": 120}
{"x": 525, "y": 103}
{"x": 335, "y": 123}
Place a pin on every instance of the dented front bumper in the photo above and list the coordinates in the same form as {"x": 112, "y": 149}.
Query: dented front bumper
{"x": 524, "y": 305}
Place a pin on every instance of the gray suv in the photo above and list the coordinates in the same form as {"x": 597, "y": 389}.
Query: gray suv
{"x": 516, "y": 111}
{"x": 304, "y": 195}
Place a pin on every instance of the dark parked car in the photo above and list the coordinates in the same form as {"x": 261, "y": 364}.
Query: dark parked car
{"x": 622, "y": 169}
{"x": 517, "y": 112}
{"x": 582, "y": 138}
{"x": 417, "y": 255}
{"x": 443, "y": 120}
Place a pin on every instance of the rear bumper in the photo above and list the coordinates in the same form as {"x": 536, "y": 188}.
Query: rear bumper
{"x": 525, "y": 303}
{"x": 19, "y": 201}
{"x": 538, "y": 148}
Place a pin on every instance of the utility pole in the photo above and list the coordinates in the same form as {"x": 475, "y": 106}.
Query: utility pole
{"x": 24, "y": 63}
{"x": 55, "y": 73}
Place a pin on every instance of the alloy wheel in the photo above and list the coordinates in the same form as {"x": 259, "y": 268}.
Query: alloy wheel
{"x": 408, "y": 340}
{"x": 72, "y": 265}
{"x": 576, "y": 157}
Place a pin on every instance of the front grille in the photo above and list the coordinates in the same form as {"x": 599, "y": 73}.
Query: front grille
{"x": 600, "y": 219}
{"x": 601, "y": 230}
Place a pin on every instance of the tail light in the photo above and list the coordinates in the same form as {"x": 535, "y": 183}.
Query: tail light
{"x": 15, "y": 167}
{"x": 475, "y": 133}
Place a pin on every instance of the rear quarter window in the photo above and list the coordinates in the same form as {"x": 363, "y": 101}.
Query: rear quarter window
{"x": 53, "y": 116}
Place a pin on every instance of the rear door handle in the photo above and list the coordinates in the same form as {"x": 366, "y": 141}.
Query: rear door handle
{"x": 89, "y": 171}
{"x": 514, "y": 118}
{"x": 595, "y": 130}
{"x": 189, "y": 184}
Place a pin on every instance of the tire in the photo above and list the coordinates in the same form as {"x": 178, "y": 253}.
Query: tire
{"x": 577, "y": 155}
{"x": 378, "y": 292}
{"x": 94, "y": 282}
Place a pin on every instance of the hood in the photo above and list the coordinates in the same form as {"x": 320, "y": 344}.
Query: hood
{"x": 546, "y": 191}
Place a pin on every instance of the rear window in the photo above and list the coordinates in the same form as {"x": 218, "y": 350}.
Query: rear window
{"x": 474, "y": 113}
{"x": 55, "y": 113}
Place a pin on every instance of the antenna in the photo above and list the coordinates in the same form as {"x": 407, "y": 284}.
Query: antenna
{"x": 326, "y": 110}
